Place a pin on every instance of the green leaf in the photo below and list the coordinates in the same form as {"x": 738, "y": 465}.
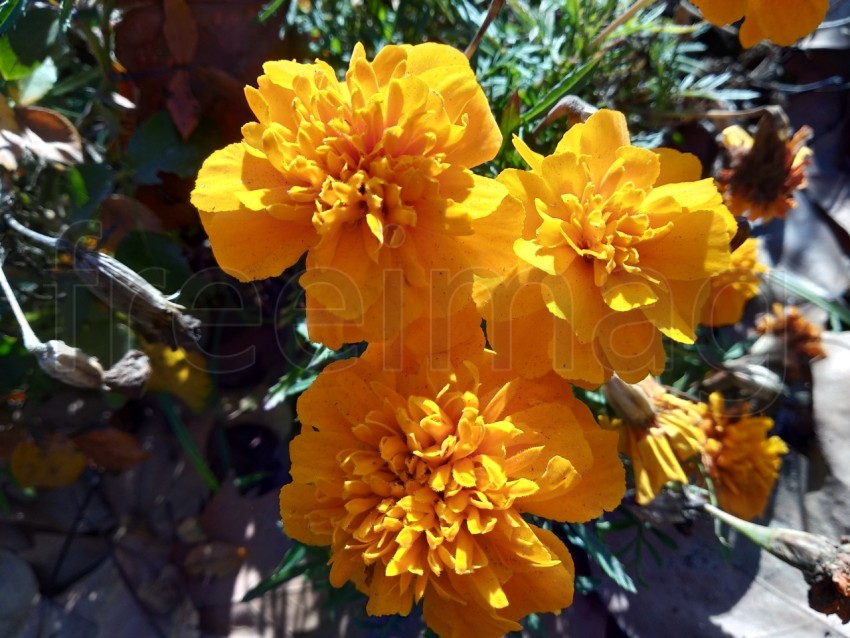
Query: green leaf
{"x": 269, "y": 9}
{"x": 570, "y": 82}
{"x": 89, "y": 184}
{"x": 10, "y": 11}
{"x": 582, "y": 536}
{"x": 294, "y": 563}
{"x": 25, "y": 46}
{"x": 65, "y": 14}
{"x": 809, "y": 291}
{"x": 157, "y": 147}
{"x": 37, "y": 84}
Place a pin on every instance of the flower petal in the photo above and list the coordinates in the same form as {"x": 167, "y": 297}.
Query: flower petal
{"x": 252, "y": 245}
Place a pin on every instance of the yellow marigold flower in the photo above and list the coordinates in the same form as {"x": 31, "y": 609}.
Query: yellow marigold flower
{"x": 658, "y": 432}
{"x": 782, "y": 21}
{"x": 765, "y": 170}
{"x": 617, "y": 246}
{"x": 742, "y": 461}
{"x": 419, "y": 479}
{"x": 371, "y": 177}
{"x": 733, "y": 288}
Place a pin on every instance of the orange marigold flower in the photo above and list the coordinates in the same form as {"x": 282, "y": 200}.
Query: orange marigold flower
{"x": 733, "y": 288}
{"x": 741, "y": 460}
{"x": 371, "y": 177}
{"x": 765, "y": 170}
{"x": 658, "y": 433}
{"x": 782, "y": 21}
{"x": 418, "y": 480}
{"x": 617, "y": 246}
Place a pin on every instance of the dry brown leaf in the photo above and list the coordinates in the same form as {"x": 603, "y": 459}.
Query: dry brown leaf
{"x": 49, "y": 135}
{"x": 180, "y": 30}
{"x": 111, "y": 449}
{"x": 59, "y": 462}
{"x": 120, "y": 215}
{"x": 182, "y": 104}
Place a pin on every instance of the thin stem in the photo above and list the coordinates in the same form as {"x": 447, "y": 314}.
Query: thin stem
{"x": 492, "y": 12}
{"x": 72, "y": 533}
{"x": 31, "y": 342}
{"x": 760, "y": 535}
{"x": 189, "y": 447}
{"x": 44, "y": 240}
{"x": 617, "y": 22}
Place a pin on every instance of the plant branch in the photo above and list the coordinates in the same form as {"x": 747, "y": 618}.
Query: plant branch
{"x": 617, "y": 22}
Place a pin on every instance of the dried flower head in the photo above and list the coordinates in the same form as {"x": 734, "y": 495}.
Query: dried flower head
{"x": 370, "y": 176}
{"x": 419, "y": 479}
{"x": 782, "y": 21}
{"x": 658, "y": 437}
{"x": 741, "y": 460}
{"x": 766, "y": 170}
{"x": 733, "y": 288}
{"x": 619, "y": 242}
{"x": 799, "y": 335}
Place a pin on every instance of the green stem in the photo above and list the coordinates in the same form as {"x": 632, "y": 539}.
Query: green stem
{"x": 189, "y": 447}
{"x": 759, "y": 534}
{"x": 617, "y": 22}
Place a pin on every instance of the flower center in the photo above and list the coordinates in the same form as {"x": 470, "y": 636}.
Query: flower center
{"x": 369, "y": 164}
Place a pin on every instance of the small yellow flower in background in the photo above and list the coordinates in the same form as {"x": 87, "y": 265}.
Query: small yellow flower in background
{"x": 618, "y": 244}
{"x": 56, "y": 462}
{"x": 180, "y": 372}
{"x": 765, "y": 171}
{"x": 733, "y": 288}
{"x": 782, "y": 21}
{"x": 371, "y": 177}
{"x": 419, "y": 479}
{"x": 659, "y": 432}
{"x": 741, "y": 460}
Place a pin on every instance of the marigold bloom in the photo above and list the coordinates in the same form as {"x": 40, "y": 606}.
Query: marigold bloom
{"x": 658, "y": 436}
{"x": 765, "y": 171}
{"x": 618, "y": 244}
{"x": 418, "y": 481}
{"x": 371, "y": 177}
{"x": 733, "y": 288}
{"x": 742, "y": 461}
{"x": 782, "y": 21}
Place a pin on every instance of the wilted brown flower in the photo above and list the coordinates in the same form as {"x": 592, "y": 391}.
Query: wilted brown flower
{"x": 824, "y": 563}
{"x": 765, "y": 170}
{"x": 789, "y": 340}
{"x": 801, "y": 335}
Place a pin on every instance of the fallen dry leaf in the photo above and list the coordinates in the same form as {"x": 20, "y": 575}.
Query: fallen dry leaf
{"x": 112, "y": 449}
{"x": 180, "y": 30}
